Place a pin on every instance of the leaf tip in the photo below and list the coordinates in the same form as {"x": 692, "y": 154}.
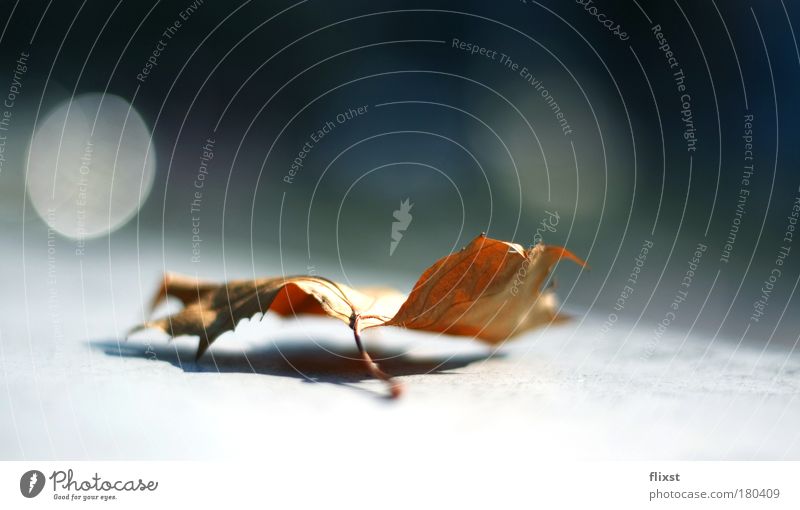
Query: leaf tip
{"x": 562, "y": 253}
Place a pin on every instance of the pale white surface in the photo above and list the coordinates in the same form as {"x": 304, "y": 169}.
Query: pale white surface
{"x": 69, "y": 390}
{"x": 554, "y": 393}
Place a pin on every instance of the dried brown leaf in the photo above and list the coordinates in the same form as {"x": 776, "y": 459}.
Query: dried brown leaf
{"x": 490, "y": 290}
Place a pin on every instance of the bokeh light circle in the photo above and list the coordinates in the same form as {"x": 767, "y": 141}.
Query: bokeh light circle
{"x": 90, "y": 165}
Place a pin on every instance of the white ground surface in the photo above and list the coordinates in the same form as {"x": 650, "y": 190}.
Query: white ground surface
{"x": 69, "y": 389}
{"x": 557, "y": 393}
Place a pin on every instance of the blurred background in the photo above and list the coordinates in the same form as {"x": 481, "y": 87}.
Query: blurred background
{"x": 656, "y": 140}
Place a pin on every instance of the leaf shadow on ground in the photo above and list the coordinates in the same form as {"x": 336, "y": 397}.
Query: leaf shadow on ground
{"x": 309, "y": 361}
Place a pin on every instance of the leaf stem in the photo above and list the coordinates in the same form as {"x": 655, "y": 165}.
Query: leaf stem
{"x": 395, "y": 388}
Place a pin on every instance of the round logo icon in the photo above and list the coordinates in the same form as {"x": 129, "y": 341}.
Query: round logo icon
{"x": 31, "y": 483}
